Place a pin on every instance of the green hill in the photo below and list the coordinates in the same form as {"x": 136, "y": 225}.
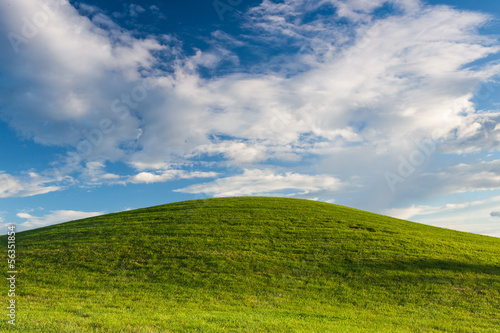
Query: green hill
{"x": 253, "y": 265}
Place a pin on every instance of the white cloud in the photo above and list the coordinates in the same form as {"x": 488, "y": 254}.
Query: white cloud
{"x": 393, "y": 75}
{"x": 409, "y": 212}
{"x": 24, "y": 215}
{"x": 360, "y": 10}
{"x": 352, "y": 93}
{"x": 238, "y": 152}
{"x": 166, "y": 175}
{"x": 53, "y": 217}
{"x": 469, "y": 215}
{"x": 67, "y": 75}
{"x": 413, "y": 211}
{"x": 483, "y": 175}
{"x": 30, "y": 185}
{"x": 265, "y": 182}
{"x": 94, "y": 173}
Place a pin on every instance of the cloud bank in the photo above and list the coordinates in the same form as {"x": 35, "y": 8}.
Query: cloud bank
{"x": 330, "y": 99}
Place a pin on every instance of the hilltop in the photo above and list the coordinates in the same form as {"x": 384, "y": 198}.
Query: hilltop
{"x": 254, "y": 265}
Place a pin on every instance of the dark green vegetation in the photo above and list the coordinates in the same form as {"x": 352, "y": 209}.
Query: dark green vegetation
{"x": 254, "y": 265}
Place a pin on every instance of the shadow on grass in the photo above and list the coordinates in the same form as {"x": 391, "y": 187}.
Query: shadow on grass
{"x": 428, "y": 264}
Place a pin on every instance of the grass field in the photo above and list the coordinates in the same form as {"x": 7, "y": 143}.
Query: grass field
{"x": 253, "y": 265}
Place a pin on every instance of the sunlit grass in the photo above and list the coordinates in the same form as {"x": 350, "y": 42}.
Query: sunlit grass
{"x": 254, "y": 265}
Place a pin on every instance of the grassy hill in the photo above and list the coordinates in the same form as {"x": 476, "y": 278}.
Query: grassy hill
{"x": 254, "y": 265}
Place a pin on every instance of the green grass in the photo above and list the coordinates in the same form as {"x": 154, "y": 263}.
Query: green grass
{"x": 253, "y": 265}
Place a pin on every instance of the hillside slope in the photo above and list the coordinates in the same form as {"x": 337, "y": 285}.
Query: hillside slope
{"x": 254, "y": 265}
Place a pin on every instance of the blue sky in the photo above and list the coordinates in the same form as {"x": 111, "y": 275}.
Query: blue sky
{"x": 386, "y": 106}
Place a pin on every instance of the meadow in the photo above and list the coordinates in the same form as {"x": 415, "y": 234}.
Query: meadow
{"x": 253, "y": 264}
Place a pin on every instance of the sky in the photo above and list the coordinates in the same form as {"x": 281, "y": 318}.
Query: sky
{"x": 386, "y": 106}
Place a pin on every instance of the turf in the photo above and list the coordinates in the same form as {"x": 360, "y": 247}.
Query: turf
{"x": 253, "y": 265}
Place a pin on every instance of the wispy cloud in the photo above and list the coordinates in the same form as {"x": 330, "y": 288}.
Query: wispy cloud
{"x": 315, "y": 93}
{"x": 166, "y": 175}
{"x": 265, "y": 182}
{"x": 54, "y": 217}
{"x": 413, "y": 210}
{"x": 27, "y": 186}
{"x": 398, "y": 65}
{"x": 470, "y": 215}
{"x": 94, "y": 174}
{"x": 460, "y": 178}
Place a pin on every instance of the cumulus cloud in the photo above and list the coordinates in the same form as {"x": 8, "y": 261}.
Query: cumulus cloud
{"x": 67, "y": 73}
{"x": 318, "y": 92}
{"x": 53, "y": 217}
{"x": 495, "y": 214}
{"x": 394, "y": 74}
